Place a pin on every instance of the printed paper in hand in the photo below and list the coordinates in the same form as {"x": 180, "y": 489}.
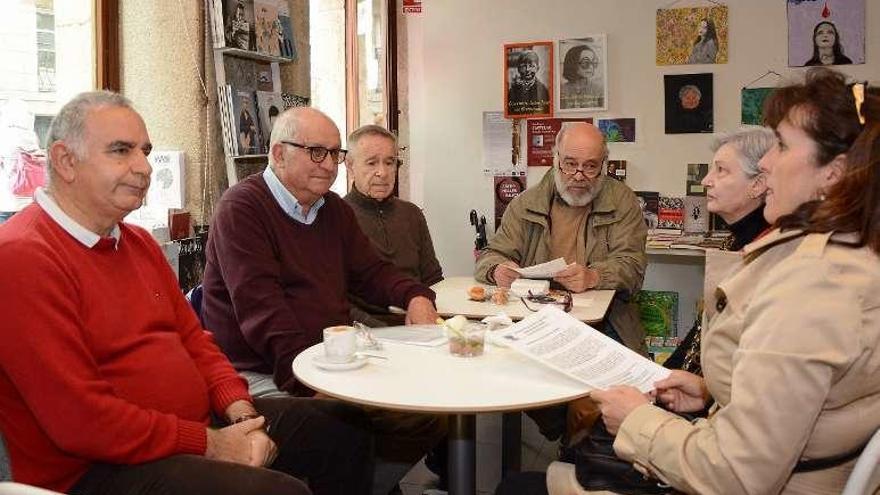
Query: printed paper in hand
{"x": 570, "y": 346}
{"x": 543, "y": 270}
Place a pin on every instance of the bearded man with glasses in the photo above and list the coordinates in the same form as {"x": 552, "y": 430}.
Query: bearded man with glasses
{"x": 283, "y": 251}
{"x": 592, "y": 221}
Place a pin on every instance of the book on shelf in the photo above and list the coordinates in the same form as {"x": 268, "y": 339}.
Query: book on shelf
{"x": 617, "y": 169}
{"x": 247, "y": 130}
{"x": 227, "y": 122}
{"x": 649, "y": 203}
{"x": 696, "y": 172}
{"x": 252, "y": 75}
{"x": 556, "y": 339}
{"x": 287, "y": 41}
{"x": 670, "y": 213}
{"x": 238, "y": 24}
{"x": 696, "y": 214}
{"x": 191, "y": 261}
{"x": 267, "y": 27}
{"x": 269, "y": 106}
{"x": 291, "y": 100}
{"x": 658, "y": 310}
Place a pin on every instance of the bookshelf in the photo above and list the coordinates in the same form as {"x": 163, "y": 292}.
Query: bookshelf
{"x": 252, "y": 39}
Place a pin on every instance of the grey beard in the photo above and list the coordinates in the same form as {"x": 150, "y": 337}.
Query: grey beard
{"x": 580, "y": 200}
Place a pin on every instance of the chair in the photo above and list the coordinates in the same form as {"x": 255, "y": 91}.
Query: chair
{"x": 865, "y": 468}
{"x": 194, "y": 296}
{"x": 5, "y": 470}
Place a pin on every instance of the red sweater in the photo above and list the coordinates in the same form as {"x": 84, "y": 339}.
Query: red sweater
{"x": 101, "y": 360}
{"x": 272, "y": 284}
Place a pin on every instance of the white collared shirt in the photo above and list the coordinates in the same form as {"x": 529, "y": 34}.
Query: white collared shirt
{"x": 85, "y": 236}
{"x": 288, "y": 202}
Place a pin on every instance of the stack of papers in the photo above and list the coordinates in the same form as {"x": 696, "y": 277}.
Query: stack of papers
{"x": 423, "y": 335}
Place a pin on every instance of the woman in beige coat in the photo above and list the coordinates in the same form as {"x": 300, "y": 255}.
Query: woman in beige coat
{"x": 791, "y": 353}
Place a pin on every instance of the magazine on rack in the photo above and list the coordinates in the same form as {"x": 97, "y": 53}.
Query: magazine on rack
{"x": 560, "y": 341}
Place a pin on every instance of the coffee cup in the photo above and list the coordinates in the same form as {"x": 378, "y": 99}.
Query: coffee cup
{"x": 340, "y": 344}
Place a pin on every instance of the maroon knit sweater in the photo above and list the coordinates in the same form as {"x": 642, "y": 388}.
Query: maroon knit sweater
{"x": 272, "y": 284}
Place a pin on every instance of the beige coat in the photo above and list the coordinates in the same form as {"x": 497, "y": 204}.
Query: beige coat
{"x": 613, "y": 243}
{"x": 792, "y": 358}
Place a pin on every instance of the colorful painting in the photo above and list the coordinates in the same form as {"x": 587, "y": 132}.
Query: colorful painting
{"x": 618, "y": 130}
{"x": 826, "y": 32}
{"x": 696, "y": 35}
{"x": 753, "y": 105}
{"x": 689, "y": 103}
{"x": 583, "y": 74}
{"x": 528, "y": 79}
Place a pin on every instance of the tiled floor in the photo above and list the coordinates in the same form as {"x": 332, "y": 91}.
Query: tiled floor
{"x": 537, "y": 454}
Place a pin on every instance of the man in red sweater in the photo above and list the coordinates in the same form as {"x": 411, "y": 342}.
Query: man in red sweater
{"x": 108, "y": 384}
{"x": 282, "y": 253}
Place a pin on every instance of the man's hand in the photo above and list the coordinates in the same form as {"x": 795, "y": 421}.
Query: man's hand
{"x": 504, "y": 273}
{"x": 232, "y": 444}
{"x": 421, "y": 311}
{"x": 577, "y": 278}
{"x": 682, "y": 392}
{"x": 617, "y": 403}
{"x": 263, "y": 449}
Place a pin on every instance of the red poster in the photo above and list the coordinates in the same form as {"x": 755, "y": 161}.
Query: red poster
{"x": 541, "y": 136}
{"x": 412, "y": 6}
{"x": 506, "y": 188}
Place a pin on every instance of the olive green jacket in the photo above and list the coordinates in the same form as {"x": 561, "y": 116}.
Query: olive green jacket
{"x": 613, "y": 244}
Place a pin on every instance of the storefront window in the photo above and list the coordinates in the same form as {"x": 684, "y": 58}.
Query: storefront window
{"x": 47, "y": 55}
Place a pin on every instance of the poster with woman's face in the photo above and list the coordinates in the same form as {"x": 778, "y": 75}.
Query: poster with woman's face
{"x": 826, "y": 32}
{"x": 583, "y": 74}
{"x": 695, "y": 35}
{"x": 528, "y": 79}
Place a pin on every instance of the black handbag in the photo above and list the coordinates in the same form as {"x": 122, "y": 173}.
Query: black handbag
{"x": 597, "y": 467}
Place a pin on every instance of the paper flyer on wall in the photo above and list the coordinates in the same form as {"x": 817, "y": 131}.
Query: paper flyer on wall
{"x": 541, "y": 139}
{"x": 501, "y": 146}
{"x": 557, "y": 339}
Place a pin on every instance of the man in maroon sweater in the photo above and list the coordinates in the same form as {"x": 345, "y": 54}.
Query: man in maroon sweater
{"x": 283, "y": 251}
{"x": 108, "y": 384}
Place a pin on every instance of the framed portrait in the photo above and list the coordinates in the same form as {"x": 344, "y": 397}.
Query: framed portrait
{"x": 528, "y": 79}
{"x": 826, "y": 33}
{"x": 583, "y": 74}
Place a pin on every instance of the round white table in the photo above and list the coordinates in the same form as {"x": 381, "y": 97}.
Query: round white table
{"x": 429, "y": 379}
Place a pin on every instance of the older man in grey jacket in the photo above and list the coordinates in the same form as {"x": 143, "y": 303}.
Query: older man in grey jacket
{"x": 591, "y": 221}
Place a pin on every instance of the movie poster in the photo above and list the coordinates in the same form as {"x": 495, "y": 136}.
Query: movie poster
{"x": 506, "y": 188}
{"x": 528, "y": 79}
{"x": 541, "y": 137}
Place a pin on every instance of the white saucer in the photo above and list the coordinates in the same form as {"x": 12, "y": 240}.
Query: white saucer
{"x": 321, "y": 362}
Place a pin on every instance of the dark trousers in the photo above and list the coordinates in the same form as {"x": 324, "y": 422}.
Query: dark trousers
{"x": 324, "y": 442}
{"x": 529, "y": 483}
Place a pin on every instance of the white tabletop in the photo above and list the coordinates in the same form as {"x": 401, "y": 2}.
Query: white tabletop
{"x": 429, "y": 379}
{"x": 452, "y": 299}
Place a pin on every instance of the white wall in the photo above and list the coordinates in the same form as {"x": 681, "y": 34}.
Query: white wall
{"x": 455, "y": 69}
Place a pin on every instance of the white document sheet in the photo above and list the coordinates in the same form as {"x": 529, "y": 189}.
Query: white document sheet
{"x": 424, "y": 335}
{"x": 556, "y": 339}
{"x": 548, "y": 269}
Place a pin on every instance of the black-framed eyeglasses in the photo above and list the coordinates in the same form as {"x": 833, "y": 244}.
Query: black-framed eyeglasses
{"x": 537, "y": 301}
{"x": 590, "y": 168}
{"x": 319, "y": 153}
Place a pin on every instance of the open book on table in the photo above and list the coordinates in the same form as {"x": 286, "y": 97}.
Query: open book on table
{"x": 564, "y": 343}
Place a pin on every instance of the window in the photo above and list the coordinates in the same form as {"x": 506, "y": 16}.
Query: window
{"x": 48, "y": 55}
{"x": 359, "y": 91}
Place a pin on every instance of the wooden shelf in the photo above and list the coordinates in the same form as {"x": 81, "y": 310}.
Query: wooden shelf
{"x": 238, "y": 52}
{"x": 249, "y": 157}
